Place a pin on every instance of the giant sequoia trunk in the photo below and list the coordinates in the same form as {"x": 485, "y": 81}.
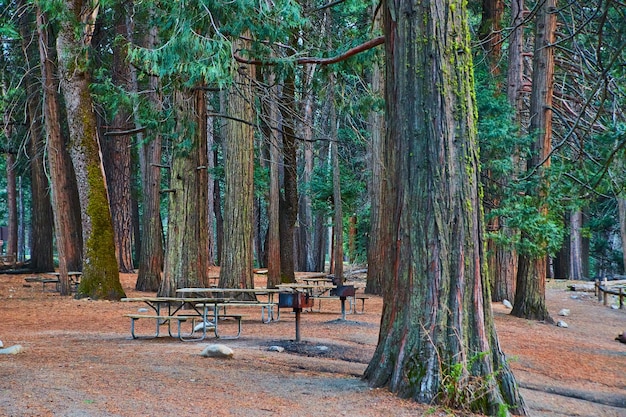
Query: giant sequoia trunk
{"x": 186, "y": 257}
{"x": 530, "y": 297}
{"x": 436, "y": 327}
{"x": 236, "y": 257}
{"x": 100, "y": 278}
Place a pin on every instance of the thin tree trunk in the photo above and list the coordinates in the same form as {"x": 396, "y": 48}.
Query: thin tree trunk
{"x": 275, "y": 151}
{"x": 379, "y": 237}
{"x": 152, "y": 254}
{"x": 337, "y": 269}
{"x": 66, "y": 207}
{"x": 305, "y": 227}
{"x": 530, "y": 293}
{"x": 42, "y": 232}
{"x": 576, "y": 246}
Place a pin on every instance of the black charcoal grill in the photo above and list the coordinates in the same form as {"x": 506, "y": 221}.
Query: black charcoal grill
{"x": 297, "y": 301}
{"x": 343, "y": 292}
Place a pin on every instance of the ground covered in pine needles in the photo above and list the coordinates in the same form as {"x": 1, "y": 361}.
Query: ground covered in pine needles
{"x": 78, "y": 360}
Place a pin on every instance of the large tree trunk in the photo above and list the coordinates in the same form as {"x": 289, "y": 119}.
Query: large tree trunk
{"x": 186, "y": 258}
{"x": 100, "y": 278}
{"x": 66, "y": 207}
{"x": 152, "y": 255}
{"x": 436, "y": 327}
{"x": 42, "y": 232}
{"x": 530, "y": 292}
{"x": 116, "y": 148}
{"x": 236, "y": 262}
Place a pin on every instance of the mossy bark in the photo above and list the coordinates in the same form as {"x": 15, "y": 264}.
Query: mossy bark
{"x": 437, "y": 341}
{"x": 100, "y": 278}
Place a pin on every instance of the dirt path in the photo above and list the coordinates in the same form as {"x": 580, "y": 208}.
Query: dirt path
{"x": 78, "y": 360}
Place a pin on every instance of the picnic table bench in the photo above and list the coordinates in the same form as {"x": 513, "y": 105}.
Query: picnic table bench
{"x": 202, "y": 310}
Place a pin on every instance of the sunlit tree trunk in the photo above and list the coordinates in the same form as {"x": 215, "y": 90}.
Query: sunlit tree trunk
{"x": 530, "y": 297}
{"x": 236, "y": 253}
{"x": 436, "y": 321}
{"x": 100, "y": 278}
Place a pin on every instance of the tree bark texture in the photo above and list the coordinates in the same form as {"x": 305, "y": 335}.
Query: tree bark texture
{"x": 152, "y": 254}
{"x": 380, "y": 238}
{"x": 237, "y": 251}
{"x": 305, "y": 217}
{"x": 100, "y": 279}
{"x": 576, "y": 246}
{"x": 66, "y": 207}
{"x": 186, "y": 257}
{"x": 116, "y": 149}
{"x": 436, "y": 324}
{"x": 273, "y": 208}
{"x": 288, "y": 208}
{"x": 530, "y": 293}
{"x": 42, "y": 232}
{"x": 337, "y": 266}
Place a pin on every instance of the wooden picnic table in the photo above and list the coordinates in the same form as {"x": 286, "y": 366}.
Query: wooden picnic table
{"x": 168, "y": 309}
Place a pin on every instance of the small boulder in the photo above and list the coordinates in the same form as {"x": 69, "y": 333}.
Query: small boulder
{"x": 562, "y": 324}
{"x": 564, "y": 312}
{"x": 13, "y": 350}
{"x": 276, "y": 348}
{"x": 507, "y": 303}
{"x": 217, "y": 351}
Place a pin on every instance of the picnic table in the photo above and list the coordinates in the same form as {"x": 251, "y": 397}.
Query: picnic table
{"x": 54, "y": 278}
{"x": 268, "y": 314}
{"x": 180, "y": 310}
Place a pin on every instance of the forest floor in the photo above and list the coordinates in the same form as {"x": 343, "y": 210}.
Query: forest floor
{"x": 78, "y": 360}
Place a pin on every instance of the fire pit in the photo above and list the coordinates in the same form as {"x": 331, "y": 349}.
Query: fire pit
{"x": 297, "y": 301}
